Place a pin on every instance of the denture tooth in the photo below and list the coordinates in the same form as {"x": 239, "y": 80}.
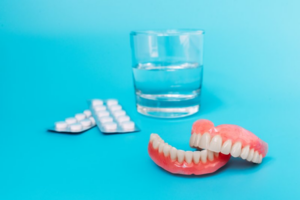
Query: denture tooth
{"x": 204, "y": 142}
{"x": 160, "y": 147}
{"x": 196, "y": 156}
{"x": 216, "y": 154}
{"x": 166, "y": 150}
{"x": 153, "y": 136}
{"x": 203, "y": 156}
{"x": 215, "y": 144}
{"x": 210, "y": 155}
{"x": 250, "y": 155}
{"x": 192, "y": 140}
{"x": 255, "y": 158}
{"x": 245, "y": 152}
{"x": 173, "y": 153}
{"x": 180, "y": 156}
{"x": 188, "y": 156}
{"x": 226, "y": 147}
{"x": 155, "y": 143}
{"x": 260, "y": 158}
{"x": 236, "y": 149}
{"x": 197, "y": 140}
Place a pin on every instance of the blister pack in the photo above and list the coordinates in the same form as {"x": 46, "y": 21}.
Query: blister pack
{"x": 79, "y": 123}
{"x": 110, "y": 117}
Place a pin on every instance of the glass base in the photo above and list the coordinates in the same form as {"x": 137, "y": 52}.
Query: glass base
{"x": 167, "y": 112}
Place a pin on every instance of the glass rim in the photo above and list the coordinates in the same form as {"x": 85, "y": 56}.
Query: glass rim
{"x": 168, "y": 32}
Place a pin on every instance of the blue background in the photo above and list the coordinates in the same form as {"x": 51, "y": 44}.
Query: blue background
{"x": 54, "y": 55}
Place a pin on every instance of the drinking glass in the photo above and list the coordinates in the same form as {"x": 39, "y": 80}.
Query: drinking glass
{"x": 167, "y": 71}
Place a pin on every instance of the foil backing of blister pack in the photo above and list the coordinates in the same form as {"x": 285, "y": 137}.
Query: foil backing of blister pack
{"x": 110, "y": 117}
{"x": 80, "y": 123}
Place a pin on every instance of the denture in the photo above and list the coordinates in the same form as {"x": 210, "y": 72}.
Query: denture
{"x": 184, "y": 162}
{"x": 219, "y": 142}
{"x": 229, "y": 140}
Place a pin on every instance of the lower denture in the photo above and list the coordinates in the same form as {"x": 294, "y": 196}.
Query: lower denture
{"x": 184, "y": 162}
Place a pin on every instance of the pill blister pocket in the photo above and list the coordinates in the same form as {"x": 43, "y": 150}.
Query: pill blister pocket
{"x": 110, "y": 116}
{"x": 79, "y": 123}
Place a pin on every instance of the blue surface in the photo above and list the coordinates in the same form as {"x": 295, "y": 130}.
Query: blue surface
{"x": 54, "y": 55}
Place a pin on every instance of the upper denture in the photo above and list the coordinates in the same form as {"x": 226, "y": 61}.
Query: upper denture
{"x": 184, "y": 162}
{"x": 228, "y": 139}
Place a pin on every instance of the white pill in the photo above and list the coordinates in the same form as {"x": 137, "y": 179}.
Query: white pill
{"x": 80, "y": 116}
{"x": 119, "y": 113}
{"x": 123, "y": 119}
{"x": 111, "y": 126}
{"x": 102, "y": 114}
{"x": 99, "y": 108}
{"x": 105, "y": 119}
{"x": 87, "y": 113}
{"x": 92, "y": 120}
{"x": 97, "y": 102}
{"x": 86, "y": 123}
{"x": 61, "y": 125}
{"x": 128, "y": 125}
{"x": 75, "y": 127}
{"x": 111, "y": 102}
{"x": 115, "y": 108}
{"x": 70, "y": 120}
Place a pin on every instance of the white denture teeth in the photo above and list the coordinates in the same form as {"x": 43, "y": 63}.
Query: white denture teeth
{"x": 110, "y": 118}
{"x": 216, "y": 144}
{"x": 179, "y": 155}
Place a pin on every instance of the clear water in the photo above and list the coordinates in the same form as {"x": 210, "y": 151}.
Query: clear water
{"x": 168, "y": 90}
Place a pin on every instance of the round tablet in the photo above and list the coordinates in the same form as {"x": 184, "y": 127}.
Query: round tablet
{"x": 70, "y": 120}
{"x": 115, "y": 108}
{"x": 111, "y": 126}
{"x": 80, "y": 116}
{"x": 97, "y": 102}
{"x": 87, "y": 113}
{"x": 102, "y": 114}
{"x": 123, "y": 119}
{"x": 75, "y": 127}
{"x": 111, "y": 102}
{"x": 128, "y": 125}
{"x": 86, "y": 123}
{"x": 99, "y": 108}
{"x": 105, "y": 119}
{"x": 119, "y": 113}
{"x": 92, "y": 120}
{"x": 61, "y": 125}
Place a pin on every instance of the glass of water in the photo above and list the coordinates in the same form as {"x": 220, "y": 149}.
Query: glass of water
{"x": 167, "y": 71}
